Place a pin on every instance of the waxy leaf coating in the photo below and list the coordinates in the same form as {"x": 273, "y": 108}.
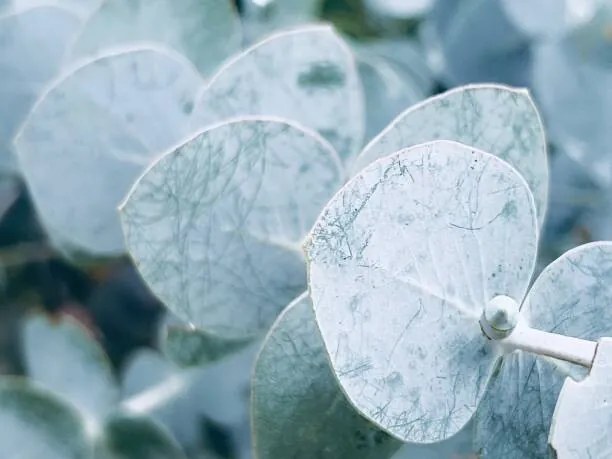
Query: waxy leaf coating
{"x": 298, "y": 409}
{"x": 92, "y": 135}
{"x": 215, "y": 226}
{"x": 307, "y": 75}
{"x": 401, "y": 264}
{"x": 497, "y": 119}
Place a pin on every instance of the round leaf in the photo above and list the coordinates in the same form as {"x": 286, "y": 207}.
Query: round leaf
{"x": 261, "y": 17}
{"x": 401, "y": 263}
{"x": 497, "y": 119}
{"x": 215, "y": 225}
{"x": 204, "y": 31}
{"x": 65, "y": 358}
{"x": 307, "y": 75}
{"x": 570, "y": 297}
{"x": 583, "y": 417}
{"x": 298, "y": 409}
{"x": 32, "y": 46}
{"x": 36, "y": 425}
{"x": 127, "y": 437}
{"x": 93, "y": 133}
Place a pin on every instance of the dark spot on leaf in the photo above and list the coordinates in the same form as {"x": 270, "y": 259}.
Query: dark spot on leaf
{"x": 323, "y": 75}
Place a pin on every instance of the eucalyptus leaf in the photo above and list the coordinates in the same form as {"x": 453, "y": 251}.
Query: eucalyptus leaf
{"x": 493, "y": 118}
{"x": 81, "y": 8}
{"x": 215, "y": 226}
{"x": 64, "y": 357}
{"x": 307, "y": 74}
{"x": 37, "y": 425}
{"x": 126, "y": 437}
{"x": 93, "y": 133}
{"x": 298, "y": 409}
{"x": 414, "y": 246}
{"x": 544, "y": 18}
{"x": 189, "y": 347}
{"x": 264, "y": 16}
{"x": 583, "y": 418}
{"x": 204, "y": 31}
{"x": 32, "y": 48}
{"x": 570, "y": 297}
{"x": 399, "y": 9}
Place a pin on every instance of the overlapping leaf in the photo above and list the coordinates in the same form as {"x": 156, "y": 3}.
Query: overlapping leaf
{"x": 583, "y": 417}
{"x": 215, "y": 225}
{"x": 497, "y": 119}
{"x": 204, "y": 31}
{"x": 307, "y": 75}
{"x": 298, "y": 409}
{"x": 65, "y": 358}
{"x": 401, "y": 262}
{"x": 93, "y": 133}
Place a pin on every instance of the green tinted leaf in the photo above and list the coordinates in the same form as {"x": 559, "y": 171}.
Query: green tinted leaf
{"x": 583, "y": 418}
{"x": 571, "y": 297}
{"x": 189, "y": 347}
{"x": 215, "y": 226}
{"x": 261, "y": 18}
{"x": 401, "y": 262}
{"x": 65, "y": 358}
{"x": 32, "y": 46}
{"x": 36, "y": 425}
{"x": 306, "y": 75}
{"x": 497, "y": 119}
{"x": 93, "y": 133}
{"x": 298, "y": 409}
{"x": 136, "y": 438}
{"x": 204, "y": 31}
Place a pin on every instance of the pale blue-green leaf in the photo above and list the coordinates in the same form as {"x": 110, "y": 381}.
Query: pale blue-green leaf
{"x": 63, "y": 356}
{"x": 399, "y": 9}
{"x": 583, "y": 416}
{"x": 391, "y": 84}
{"x": 544, "y": 18}
{"x": 570, "y": 297}
{"x": 204, "y": 31}
{"x": 93, "y": 133}
{"x": 81, "y": 8}
{"x": 126, "y": 437}
{"x": 458, "y": 446}
{"x": 32, "y": 48}
{"x": 298, "y": 410}
{"x": 474, "y": 41}
{"x": 187, "y": 346}
{"x": 215, "y": 226}
{"x": 572, "y": 78}
{"x": 307, "y": 75}
{"x": 261, "y": 17}
{"x": 37, "y": 425}
{"x": 497, "y": 119}
{"x": 415, "y": 245}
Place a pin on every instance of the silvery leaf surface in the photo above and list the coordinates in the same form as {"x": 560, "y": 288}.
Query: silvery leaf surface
{"x": 570, "y": 297}
{"x": 298, "y": 410}
{"x": 204, "y": 31}
{"x": 497, "y": 119}
{"x": 583, "y": 416}
{"x": 215, "y": 226}
{"x": 93, "y": 133}
{"x": 306, "y": 74}
{"x": 415, "y": 245}
{"x": 65, "y": 358}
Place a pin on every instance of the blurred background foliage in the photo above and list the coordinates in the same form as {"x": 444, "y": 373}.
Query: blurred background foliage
{"x": 407, "y": 50}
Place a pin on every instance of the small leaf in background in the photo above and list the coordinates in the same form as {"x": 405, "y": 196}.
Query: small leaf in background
{"x": 307, "y": 75}
{"x": 204, "y": 31}
{"x": 260, "y": 17}
{"x": 32, "y": 48}
{"x": 399, "y": 9}
{"x": 394, "y": 76}
{"x": 497, "y": 119}
{"x": 215, "y": 226}
{"x": 126, "y": 437}
{"x": 64, "y": 357}
{"x": 298, "y": 410}
{"x": 190, "y": 347}
{"x": 37, "y": 425}
{"x": 582, "y": 419}
{"x": 93, "y": 133}
{"x": 81, "y": 8}
{"x": 570, "y": 297}
{"x": 401, "y": 262}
